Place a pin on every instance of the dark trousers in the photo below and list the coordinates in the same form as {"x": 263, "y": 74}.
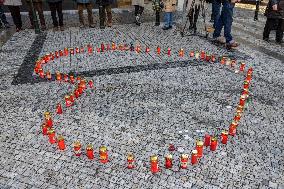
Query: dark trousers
{"x": 38, "y": 8}
{"x": 257, "y": 3}
{"x": 270, "y": 25}
{"x": 2, "y": 17}
{"x": 16, "y": 15}
{"x": 56, "y": 7}
{"x": 193, "y": 17}
{"x": 138, "y": 10}
{"x": 105, "y": 12}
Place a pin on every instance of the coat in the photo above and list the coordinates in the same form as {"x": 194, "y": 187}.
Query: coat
{"x": 278, "y": 14}
{"x": 104, "y": 2}
{"x": 138, "y": 2}
{"x": 169, "y": 5}
{"x": 35, "y": 1}
{"x": 53, "y": 1}
{"x": 13, "y": 2}
{"x": 83, "y": 1}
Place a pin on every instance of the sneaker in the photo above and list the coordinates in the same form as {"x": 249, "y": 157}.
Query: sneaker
{"x": 137, "y": 20}
{"x": 43, "y": 28}
{"x": 7, "y": 26}
{"x": 92, "y": 26}
{"x": 166, "y": 28}
{"x": 61, "y": 28}
{"x": 220, "y": 40}
{"x": 55, "y": 28}
{"x": 232, "y": 45}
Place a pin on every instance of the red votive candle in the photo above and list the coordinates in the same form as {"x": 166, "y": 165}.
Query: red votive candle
{"x": 44, "y": 129}
{"x": 199, "y": 148}
{"x": 72, "y": 52}
{"x": 76, "y": 93}
{"x": 60, "y": 53}
{"x": 90, "y": 151}
{"x": 233, "y": 128}
{"x": 72, "y": 80}
{"x": 246, "y": 84}
{"x": 224, "y": 137}
{"x": 191, "y": 54}
{"x": 202, "y": 55}
{"x": 51, "y": 136}
{"x": 242, "y": 100}
{"x": 214, "y": 142}
{"x": 61, "y": 143}
{"x": 68, "y": 102}
{"x": 158, "y": 50}
{"x": 169, "y": 51}
{"x": 77, "y": 148}
{"x": 184, "y": 161}
{"x": 242, "y": 67}
{"x": 58, "y": 108}
{"x": 91, "y": 84}
{"x": 237, "y": 117}
{"x": 130, "y": 161}
{"x": 154, "y": 164}
{"x": 48, "y": 119}
{"x": 194, "y": 157}
{"x": 66, "y": 52}
{"x": 77, "y": 50}
{"x": 169, "y": 161}
{"x": 207, "y": 139}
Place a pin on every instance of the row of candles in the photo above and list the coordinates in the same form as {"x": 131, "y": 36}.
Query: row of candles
{"x": 81, "y": 86}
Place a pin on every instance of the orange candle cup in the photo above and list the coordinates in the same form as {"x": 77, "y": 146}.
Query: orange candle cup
{"x": 44, "y": 129}
{"x": 199, "y": 148}
{"x": 154, "y": 164}
{"x": 169, "y": 161}
{"x": 72, "y": 80}
{"x": 130, "y": 161}
{"x": 214, "y": 143}
{"x": 51, "y": 136}
{"x": 90, "y": 151}
{"x": 103, "y": 154}
{"x": 77, "y": 148}
{"x": 207, "y": 139}
{"x": 224, "y": 137}
{"x": 242, "y": 67}
{"x": 184, "y": 161}
{"x": 181, "y": 52}
{"x": 194, "y": 157}
{"x": 158, "y": 50}
{"x": 58, "y": 76}
{"x": 48, "y": 75}
{"x": 61, "y": 143}
{"x": 191, "y": 54}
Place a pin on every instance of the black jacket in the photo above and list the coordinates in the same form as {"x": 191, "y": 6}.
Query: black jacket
{"x": 270, "y": 13}
{"x": 104, "y": 2}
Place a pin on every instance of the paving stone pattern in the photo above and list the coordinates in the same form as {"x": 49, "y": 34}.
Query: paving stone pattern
{"x": 140, "y": 110}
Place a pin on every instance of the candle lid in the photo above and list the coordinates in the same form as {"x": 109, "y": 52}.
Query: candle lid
{"x": 130, "y": 156}
{"x": 51, "y": 131}
{"x": 46, "y": 114}
{"x": 169, "y": 156}
{"x": 154, "y": 158}
{"x": 90, "y": 147}
{"x": 103, "y": 149}
{"x": 77, "y": 143}
{"x": 199, "y": 143}
{"x": 184, "y": 156}
{"x": 224, "y": 132}
{"x": 60, "y": 137}
{"x": 194, "y": 152}
{"x": 214, "y": 138}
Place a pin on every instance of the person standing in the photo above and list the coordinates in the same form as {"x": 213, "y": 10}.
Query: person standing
{"x": 139, "y": 8}
{"x": 275, "y": 18}
{"x": 169, "y": 8}
{"x": 81, "y": 4}
{"x": 56, "y": 6}
{"x": 37, "y": 4}
{"x": 3, "y": 16}
{"x": 257, "y": 3}
{"x": 225, "y": 20}
{"x": 14, "y": 8}
{"x": 216, "y": 6}
{"x": 105, "y": 12}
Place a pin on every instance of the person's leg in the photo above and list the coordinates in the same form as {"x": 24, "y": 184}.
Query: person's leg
{"x": 136, "y": 10}
{"x": 38, "y": 7}
{"x": 257, "y": 2}
{"x": 196, "y": 14}
{"x": 15, "y": 12}
{"x": 103, "y": 17}
{"x": 80, "y": 7}
{"x": 30, "y": 15}
{"x": 52, "y": 7}
{"x": 166, "y": 20}
{"x": 59, "y": 12}
{"x": 267, "y": 28}
{"x": 171, "y": 20}
{"x": 90, "y": 14}
{"x": 216, "y": 6}
{"x": 109, "y": 15}
{"x": 141, "y": 9}
{"x": 279, "y": 31}
{"x": 219, "y": 25}
{"x": 228, "y": 20}
{"x": 3, "y": 17}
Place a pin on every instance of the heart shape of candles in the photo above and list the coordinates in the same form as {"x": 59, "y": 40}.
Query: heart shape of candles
{"x": 81, "y": 85}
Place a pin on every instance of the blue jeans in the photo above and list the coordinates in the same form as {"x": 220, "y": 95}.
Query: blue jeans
{"x": 216, "y": 6}
{"x": 2, "y": 16}
{"x": 168, "y": 19}
{"x": 226, "y": 20}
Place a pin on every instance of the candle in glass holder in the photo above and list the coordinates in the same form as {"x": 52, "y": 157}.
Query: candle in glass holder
{"x": 228, "y": 61}
{"x": 72, "y": 99}
{"x": 90, "y": 151}
{"x": 44, "y": 129}
{"x": 242, "y": 100}
{"x": 248, "y": 78}
{"x": 72, "y": 51}
{"x": 130, "y": 161}
{"x": 207, "y": 139}
{"x": 77, "y": 50}
{"x": 147, "y": 49}
{"x": 250, "y": 70}
{"x": 191, "y": 54}
{"x": 223, "y": 60}
{"x": 169, "y": 51}
{"x": 103, "y": 154}
{"x": 91, "y": 84}
{"x": 60, "y": 53}
{"x": 199, "y": 148}
{"x": 181, "y": 52}
{"x": 108, "y": 47}
{"x": 48, "y": 75}
{"x": 68, "y": 102}
{"x": 183, "y": 161}
{"x": 56, "y": 54}
{"x": 169, "y": 161}
{"x": 158, "y": 50}
{"x": 65, "y": 77}
{"x": 90, "y": 49}
{"x": 61, "y": 142}
{"x": 233, "y": 128}
{"x": 194, "y": 157}
{"x": 76, "y": 93}
{"x": 72, "y": 80}
{"x": 224, "y": 137}
{"x": 213, "y": 58}
{"x": 83, "y": 84}
{"x": 240, "y": 108}
{"x": 58, "y": 76}
{"x": 214, "y": 142}
{"x": 197, "y": 55}
{"x": 113, "y": 46}
{"x": 66, "y": 52}
{"x": 202, "y": 55}
{"x": 82, "y": 49}
{"x": 242, "y": 67}
{"x": 77, "y": 148}
{"x": 51, "y": 135}
{"x": 154, "y": 164}
{"x": 41, "y": 73}
{"x": 237, "y": 117}
{"x": 138, "y": 48}
{"x": 207, "y": 57}
{"x": 246, "y": 84}
{"x": 102, "y": 47}
{"x": 48, "y": 119}
{"x": 233, "y": 63}
{"x": 245, "y": 92}
{"x": 58, "y": 108}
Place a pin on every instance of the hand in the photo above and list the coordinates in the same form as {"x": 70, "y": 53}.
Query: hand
{"x": 275, "y": 7}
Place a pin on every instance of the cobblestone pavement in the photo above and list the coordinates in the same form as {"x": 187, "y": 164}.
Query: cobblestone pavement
{"x": 143, "y": 102}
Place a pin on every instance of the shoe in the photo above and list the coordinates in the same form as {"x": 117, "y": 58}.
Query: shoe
{"x": 61, "y": 28}
{"x": 137, "y": 20}
{"x": 31, "y": 27}
{"x": 219, "y": 40}
{"x": 7, "y": 26}
{"x": 279, "y": 41}
{"x": 109, "y": 24}
{"x": 232, "y": 45}
{"x": 266, "y": 39}
{"x": 55, "y": 28}
{"x": 255, "y": 19}
{"x": 102, "y": 27}
{"x": 18, "y": 29}
{"x": 157, "y": 24}
{"x": 92, "y": 26}
{"x": 82, "y": 26}
{"x": 43, "y": 28}
{"x": 166, "y": 28}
